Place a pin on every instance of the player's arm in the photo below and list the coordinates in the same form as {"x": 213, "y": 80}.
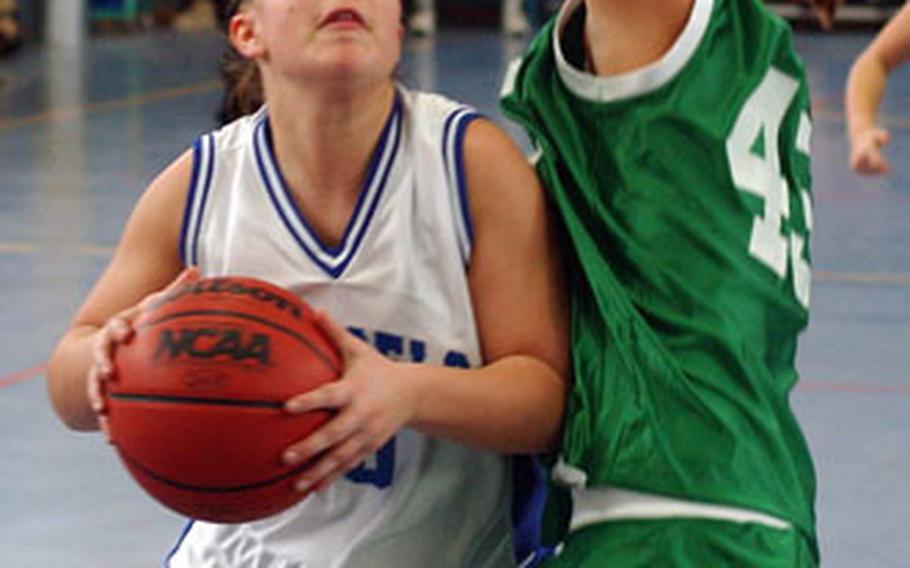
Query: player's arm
{"x": 147, "y": 259}
{"x": 515, "y": 402}
{"x": 865, "y": 89}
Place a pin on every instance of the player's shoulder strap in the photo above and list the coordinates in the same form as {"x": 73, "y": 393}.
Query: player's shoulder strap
{"x": 209, "y": 150}
{"x": 443, "y": 123}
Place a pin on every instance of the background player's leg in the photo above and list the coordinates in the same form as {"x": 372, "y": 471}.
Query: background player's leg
{"x": 10, "y": 35}
{"x": 514, "y": 20}
{"x": 423, "y": 20}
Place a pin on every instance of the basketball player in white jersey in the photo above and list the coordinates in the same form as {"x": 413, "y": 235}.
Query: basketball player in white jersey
{"x": 422, "y": 230}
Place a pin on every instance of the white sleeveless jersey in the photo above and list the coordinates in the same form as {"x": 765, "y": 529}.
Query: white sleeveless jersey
{"x": 398, "y": 280}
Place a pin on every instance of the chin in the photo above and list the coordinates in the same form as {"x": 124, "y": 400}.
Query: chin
{"x": 354, "y": 69}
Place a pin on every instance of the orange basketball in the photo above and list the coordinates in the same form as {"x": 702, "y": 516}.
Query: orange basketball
{"x": 196, "y": 407}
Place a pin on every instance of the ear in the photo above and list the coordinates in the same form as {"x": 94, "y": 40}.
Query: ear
{"x": 244, "y": 36}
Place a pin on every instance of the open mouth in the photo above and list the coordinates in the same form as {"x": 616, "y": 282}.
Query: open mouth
{"x": 344, "y": 17}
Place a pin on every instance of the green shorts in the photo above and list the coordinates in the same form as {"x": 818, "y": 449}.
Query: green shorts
{"x": 683, "y": 543}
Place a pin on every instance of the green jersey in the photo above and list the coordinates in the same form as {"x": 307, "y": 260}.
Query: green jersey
{"x": 684, "y": 188}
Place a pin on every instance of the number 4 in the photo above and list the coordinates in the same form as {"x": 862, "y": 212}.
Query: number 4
{"x": 754, "y": 158}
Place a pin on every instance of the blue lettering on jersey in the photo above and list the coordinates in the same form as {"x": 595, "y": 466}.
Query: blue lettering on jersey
{"x": 379, "y": 470}
{"x": 359, "y": 333}
{"x": 456, "y": 359}
{"x": 392, "y": 346}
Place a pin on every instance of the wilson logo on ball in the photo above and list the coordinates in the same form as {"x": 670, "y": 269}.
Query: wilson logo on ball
{"x": 233, "y": 287}
{"x": 211, "y": 343}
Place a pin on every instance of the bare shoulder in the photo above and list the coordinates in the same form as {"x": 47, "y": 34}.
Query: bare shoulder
{"x": 147, "y": 256}
{"x": 497, "y": 170}
{"x": 158, "y": 214}
{"x": 486, "y": 139}
{"x": 515, "y": 266}
{"x": 172, "y": 184}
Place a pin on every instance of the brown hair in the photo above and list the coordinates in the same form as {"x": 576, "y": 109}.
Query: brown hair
{"x": 242, "y": 83}
{"x": 226, "y": 10}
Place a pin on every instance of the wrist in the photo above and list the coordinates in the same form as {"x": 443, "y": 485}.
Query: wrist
{"x": 412, "y": 378}
{"x": 859, "y": 126}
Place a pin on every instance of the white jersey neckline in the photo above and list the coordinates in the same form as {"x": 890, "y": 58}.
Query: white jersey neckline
{"x": 332, "y": 259}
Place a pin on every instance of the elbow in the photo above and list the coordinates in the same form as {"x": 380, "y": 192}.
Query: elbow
{"x": 71, "y": 416}
{"x": 552, "y": 421}
{"x": 870, "y": 63}
{"x": 69, "y": 402}
{"x": 551, "y": 443}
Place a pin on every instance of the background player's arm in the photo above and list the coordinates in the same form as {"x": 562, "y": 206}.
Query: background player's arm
{"x": 515, "y": 402}
{"x": 146, "y": 260}
{"x": 865, "y": 88}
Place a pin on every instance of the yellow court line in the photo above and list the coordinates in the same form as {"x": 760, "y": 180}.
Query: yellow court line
{"x": 859, "y": 278}
{"x": 7, "y": 247}
{"x": 820, "y": 114}
{"x": 69, "y": 113}
{"x": 105, "y": 251}
{"x": 95, "y": 250}
{"x": 18, "y": 248}
{"x": 890, "y": 121}
{"x": 830, "y": 116}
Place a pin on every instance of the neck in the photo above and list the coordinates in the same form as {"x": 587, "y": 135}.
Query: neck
{"x": 625, "y": 35}
{"x": 324, "y": 139}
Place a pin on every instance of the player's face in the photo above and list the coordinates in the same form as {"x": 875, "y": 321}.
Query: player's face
{"x": 327, "y": 38}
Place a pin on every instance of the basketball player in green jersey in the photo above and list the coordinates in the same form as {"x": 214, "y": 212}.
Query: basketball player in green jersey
{"x": 673, "y": 136}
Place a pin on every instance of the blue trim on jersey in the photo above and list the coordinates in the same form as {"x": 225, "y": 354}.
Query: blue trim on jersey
{"x": 332, "y": 260}
{"x": 453, "y": 159}
{"x": 190, "y": 198}
{"x": 529, "y": 496}
{"x": 384, "y": 175}
{"x": 280, "y": 211}
{"x": 206, "y": 190}
{"x": 203, "y": 148}
{"x": 186, "y": 530}
{"x": 460, "y": 173}
{"x": 537, "y": 558}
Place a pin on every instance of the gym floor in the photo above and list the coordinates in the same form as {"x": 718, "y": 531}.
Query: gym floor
{"x": 83, "y": 131}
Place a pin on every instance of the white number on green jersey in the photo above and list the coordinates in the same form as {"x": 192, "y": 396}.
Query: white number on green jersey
{"x": 752, "y": 151}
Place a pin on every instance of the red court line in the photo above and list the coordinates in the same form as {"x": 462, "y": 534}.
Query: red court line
{"x": 22, "y": 375}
